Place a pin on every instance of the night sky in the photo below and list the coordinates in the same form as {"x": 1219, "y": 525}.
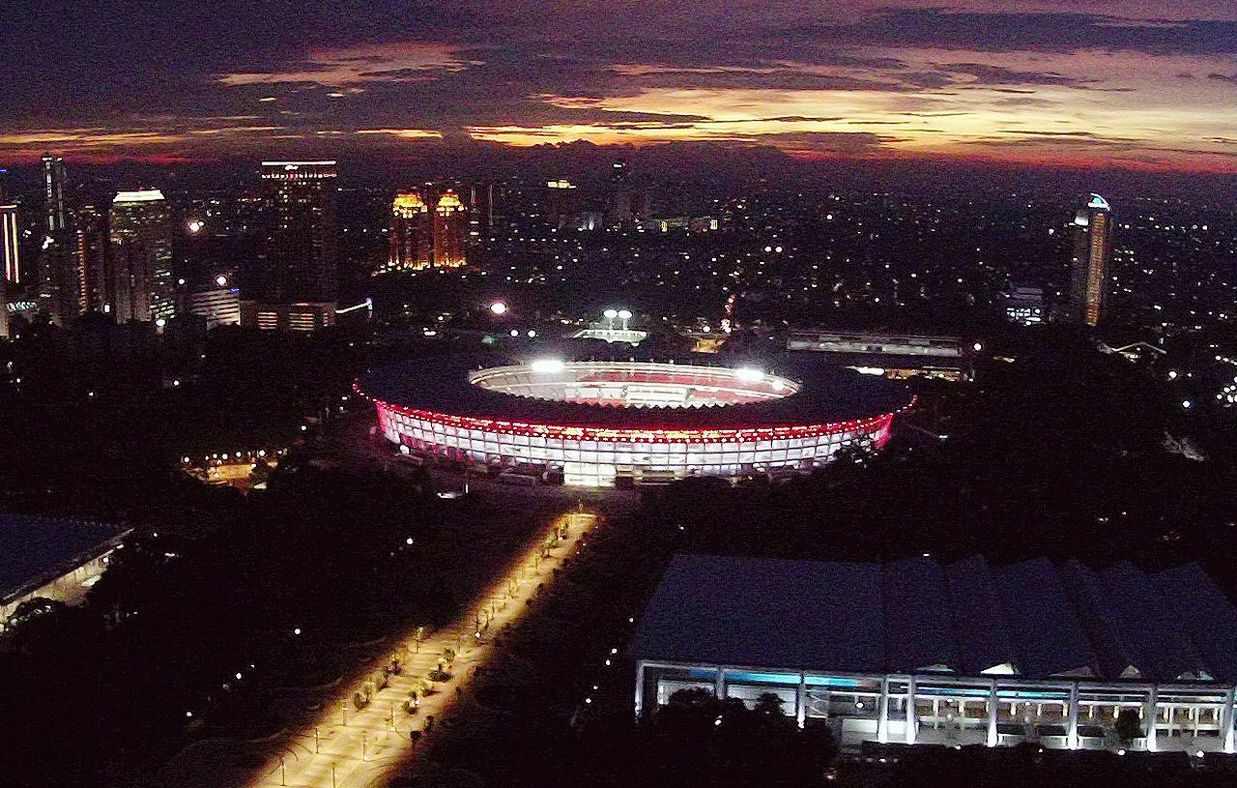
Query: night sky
{"x": 1136, "y": 84}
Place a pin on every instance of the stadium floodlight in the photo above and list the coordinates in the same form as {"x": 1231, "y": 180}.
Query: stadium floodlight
{"x": 544, "y": 365}
{"x": 750, "y": 374}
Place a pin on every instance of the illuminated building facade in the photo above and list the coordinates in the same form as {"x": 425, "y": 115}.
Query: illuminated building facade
{"x": 92, "y": 250}
{"x": 412, "y": 231}
{"x": 142, "y": 287}
{"x": 450, "y": 231}
{"x": 10, "y": 247}
{"x": 58, "y": 280}
{"x": 294, "y": 278}
{"x": 1090, "y": 267}
{"x": 918, "y": 652}
{"x": 622, "y": 423}
{"x": 427, "y": 231}
{"x": 10, "y": 251}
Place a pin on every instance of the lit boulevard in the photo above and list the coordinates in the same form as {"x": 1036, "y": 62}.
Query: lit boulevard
{"x": 349, "y": 747}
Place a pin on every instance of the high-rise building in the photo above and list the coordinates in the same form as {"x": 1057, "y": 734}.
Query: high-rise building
{"x": 450, "y": 231}
{"x": 142, "y": 287}
{"x": 427, "y": 231}
{"x": 293, "y": 282}
{"x": 53, "y": 194}
{"x": 412, "y": 233}
{"x": 481, "y": 210}
{"x": 1090, "y": 268}
{"x": 92, "y": 249}
{"x": 9, "y": 258}
{"x": 58, "y": 280}
{"x": 10, "y": 239}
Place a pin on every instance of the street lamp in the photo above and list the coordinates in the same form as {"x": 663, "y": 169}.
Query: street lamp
{"x": 498, "y": 308}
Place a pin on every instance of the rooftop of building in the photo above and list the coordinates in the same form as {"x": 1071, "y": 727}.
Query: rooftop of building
{"x": 825, "y": 395}
{"x": 1034, "y": 619}
{"x": 36, "y": 550}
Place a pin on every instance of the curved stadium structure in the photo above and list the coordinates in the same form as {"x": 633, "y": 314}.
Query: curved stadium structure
{"x": 620, "y": 422}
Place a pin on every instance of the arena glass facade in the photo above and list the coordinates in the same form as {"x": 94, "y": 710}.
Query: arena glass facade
{"x": 600, "y": 455}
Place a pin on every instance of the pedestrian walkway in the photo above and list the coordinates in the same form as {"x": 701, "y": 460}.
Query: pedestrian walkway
{"x": 351, "y": 748}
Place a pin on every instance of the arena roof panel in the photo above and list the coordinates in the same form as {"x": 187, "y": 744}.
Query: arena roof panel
{"x": 826, "y": 395}
{"x": 856, "y": 618}
{"x": 768, "y": 613}
{"x": 36, "y": 550}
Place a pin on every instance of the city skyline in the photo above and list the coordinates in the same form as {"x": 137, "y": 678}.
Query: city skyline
{"x": 1142, "y": 85}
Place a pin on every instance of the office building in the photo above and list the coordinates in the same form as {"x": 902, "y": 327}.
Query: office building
{"x": 92, "y": 250}
{"x": 450, "y": 231}
{"x": 58, "y": 280}
{"x": 1090, "y": 269}
{"x": 1024, "y": 304}
{"x": 293, "y": 282}
{"x": 10, "y": 238}
{"x": 896, "y": 356}
{"x": 965, "y": 653}
{"x": 412, "y": 231}
{"x": 54, "y": 211}
{"x": 215, "y": 299}
{"x": 481, "y": 210}
{"x": 142, "y": 285}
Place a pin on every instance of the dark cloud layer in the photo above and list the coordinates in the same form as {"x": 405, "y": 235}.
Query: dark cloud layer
{"x": 173, "y": 78}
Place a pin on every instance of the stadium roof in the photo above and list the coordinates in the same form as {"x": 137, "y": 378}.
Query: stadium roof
{"x": 826, "y": 395}
{"x": 1033, "y": 619}
{"x": 36, "y": 550}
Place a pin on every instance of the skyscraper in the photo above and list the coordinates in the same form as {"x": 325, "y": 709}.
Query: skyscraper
{"x": 293, "y": 282}
{"x": 412, "y": 233}
{"x": 481, "y": 210}
{"x": 1090, "y": 268}
{"x": 93, "y": 258}
{"x": 450, "y": 231}
{"x": 58, "y": 279}
{"x": 140, "y": 230}
{"x": 53, "y": 193}
{"x": 10, "y": 250}
{"x": 427, "y": 231}
{"x": 9, "y": 257}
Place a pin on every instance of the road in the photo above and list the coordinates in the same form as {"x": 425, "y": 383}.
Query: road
{"x": 350, "y": 748}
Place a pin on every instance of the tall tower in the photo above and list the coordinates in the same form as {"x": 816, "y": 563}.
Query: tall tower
{"x": 53, "y": 193}
{"x": 411, "y": 233}
{"x": 57, "y": 273}
{"x": 450, "y": 231}
{"x": 481, "y": 210}
{"x": 92, "y": 250}
{"x": 10, "y": 249}
{"x": 1090, "y": 268}
{"x": 10, "y": 261}
{"x": 141, "y": 252}
{"x": 295, "y": 277}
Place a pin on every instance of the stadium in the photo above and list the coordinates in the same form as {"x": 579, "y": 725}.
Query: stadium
{"x": 607, "y": 423}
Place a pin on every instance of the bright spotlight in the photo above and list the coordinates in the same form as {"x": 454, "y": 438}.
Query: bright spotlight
{"x": 221, "y": 280}
{"x": 548, "y": 365}
{"x": 196, "y": 226}
{"x": 624, "y": 314}
{"x": 750, "y": 374}
{"x": 498, "y": 308}
{"x": 610, "y": 314}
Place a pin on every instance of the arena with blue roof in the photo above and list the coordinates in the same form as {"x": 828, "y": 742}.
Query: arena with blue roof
{"x": 919, "y": 651}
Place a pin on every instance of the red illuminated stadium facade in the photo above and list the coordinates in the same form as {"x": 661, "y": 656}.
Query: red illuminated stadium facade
{"x": 614, "y": 423}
